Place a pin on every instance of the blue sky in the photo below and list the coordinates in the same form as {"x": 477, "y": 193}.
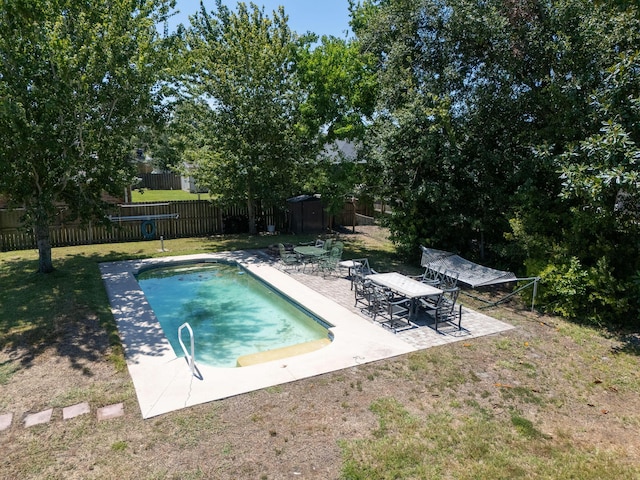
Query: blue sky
{"x": 323, "y": 17}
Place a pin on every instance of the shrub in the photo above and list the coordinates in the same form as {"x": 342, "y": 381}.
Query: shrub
{"x": 591, "y": 294}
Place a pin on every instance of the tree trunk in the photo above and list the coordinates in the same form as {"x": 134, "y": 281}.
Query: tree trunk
{"x": 45, "y": 264}
{"x": 251, "y": 211}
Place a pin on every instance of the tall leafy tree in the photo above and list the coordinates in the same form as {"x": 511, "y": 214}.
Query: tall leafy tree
{"x": 341, "y": 91}
{"x": 437, "y": 138}
{"x": 486, "y": 133}
{"x": 242, "y": 72}
{"x": 594, "y": 272}
{"x": 341, "y": 88}
{"x": 77, "y": 83}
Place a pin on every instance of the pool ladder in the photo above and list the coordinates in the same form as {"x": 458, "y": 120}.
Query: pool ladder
{"x": 190, "y": 356}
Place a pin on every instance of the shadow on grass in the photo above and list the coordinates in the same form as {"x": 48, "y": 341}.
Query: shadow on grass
{"x": 66, "y": 310}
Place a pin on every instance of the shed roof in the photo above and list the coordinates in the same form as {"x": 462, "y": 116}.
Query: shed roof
{"x": 303, "y": 198}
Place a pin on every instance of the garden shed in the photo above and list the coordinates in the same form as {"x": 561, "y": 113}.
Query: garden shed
{"x": 306, "y": 214}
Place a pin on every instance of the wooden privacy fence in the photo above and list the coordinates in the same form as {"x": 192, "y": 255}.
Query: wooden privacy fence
{"x": 137, "y": 221}
{"x": 133, "y": 222}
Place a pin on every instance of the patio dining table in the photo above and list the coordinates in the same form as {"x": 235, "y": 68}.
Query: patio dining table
{"x": 310, "y": 251}
{"x": 310, "y": 254}
{"x": 405, "y": 286}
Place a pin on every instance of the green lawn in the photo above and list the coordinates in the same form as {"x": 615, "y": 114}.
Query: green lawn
{"x": 147, "y": 195}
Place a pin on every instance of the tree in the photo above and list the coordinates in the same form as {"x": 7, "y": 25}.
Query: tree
{"x": 601, "y": 183}
{"x": 76, "y": 86}
{"x": 341, "y": 85}
{"x": 341, "y": 92}
{"x": 444, "y": 117}
{"x": 485, "y": 134}
{"x": 242, "y": 73}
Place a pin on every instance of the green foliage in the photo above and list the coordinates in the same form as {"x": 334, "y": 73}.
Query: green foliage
{"x": 77, "y": 86}
{"x": 248, "y": 129}
{"x": 503, "y": 132}
{"x": 591, "y": 294}
{"x": 262, "y": 105}
{"x": 600, "y": 180}
{"x": 341, "y": 88}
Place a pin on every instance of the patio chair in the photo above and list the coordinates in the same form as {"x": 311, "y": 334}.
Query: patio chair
{"x": 393, "y": 310}
{"x": 430, "y": 276}
{"x": 363, "y": 291}
{"x": 316, "y": 263}
{"x": 443, "y": 308}
{"x": 329, "y": 264}
{"x": 359, "y": 267}
{"x": 288, "y": 259}
{"x": 449, "y": 280}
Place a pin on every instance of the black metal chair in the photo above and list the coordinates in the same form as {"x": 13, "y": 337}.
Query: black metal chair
{"x": 443, "y": 308}
{"x": 329, "y": 264}
{"x": 359, "y": 268}
{"x": 431, "y": 276}
{"x": 449, "y": 280}
{"x": 394, "y": 310}
{"x": 362, "y": 289}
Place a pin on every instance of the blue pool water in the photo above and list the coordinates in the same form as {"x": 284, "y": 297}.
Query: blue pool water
{"x": 231, "y": 312}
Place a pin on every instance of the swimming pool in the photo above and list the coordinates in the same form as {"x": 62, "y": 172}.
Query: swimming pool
{"x": 232, "y": 313}
{"x": 162, "y": 379}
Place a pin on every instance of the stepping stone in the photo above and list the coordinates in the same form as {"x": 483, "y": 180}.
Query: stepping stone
{"x": 75, "y": 410}
{"x": 38, "y": 418}
{"x": 111, "y": 411}
{"x": 5, "y": 421}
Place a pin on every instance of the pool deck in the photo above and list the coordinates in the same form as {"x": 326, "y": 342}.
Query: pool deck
{"x": 164, "y": 383}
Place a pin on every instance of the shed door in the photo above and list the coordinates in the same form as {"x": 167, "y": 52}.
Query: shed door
{"x": 313, "y": 217}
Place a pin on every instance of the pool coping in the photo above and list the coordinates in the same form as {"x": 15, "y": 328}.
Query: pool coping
{"x": 163, "y": 381}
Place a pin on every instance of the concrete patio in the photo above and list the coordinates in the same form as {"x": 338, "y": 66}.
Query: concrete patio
{"x": 338, "y": 288}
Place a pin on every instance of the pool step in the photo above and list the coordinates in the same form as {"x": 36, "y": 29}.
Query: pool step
{"x": 284, "y": 352}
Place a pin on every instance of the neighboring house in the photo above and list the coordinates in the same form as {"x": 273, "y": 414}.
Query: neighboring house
{"x": 188, "y": 183}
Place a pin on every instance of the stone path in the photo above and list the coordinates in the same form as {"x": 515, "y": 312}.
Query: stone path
{"x": 72, "y": 411}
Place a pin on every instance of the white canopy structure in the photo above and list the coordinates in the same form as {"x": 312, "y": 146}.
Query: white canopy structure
{"x": 473, "y": 274}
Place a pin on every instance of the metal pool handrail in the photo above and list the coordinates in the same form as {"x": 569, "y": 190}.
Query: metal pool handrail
{"x": 191, "y": 358}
